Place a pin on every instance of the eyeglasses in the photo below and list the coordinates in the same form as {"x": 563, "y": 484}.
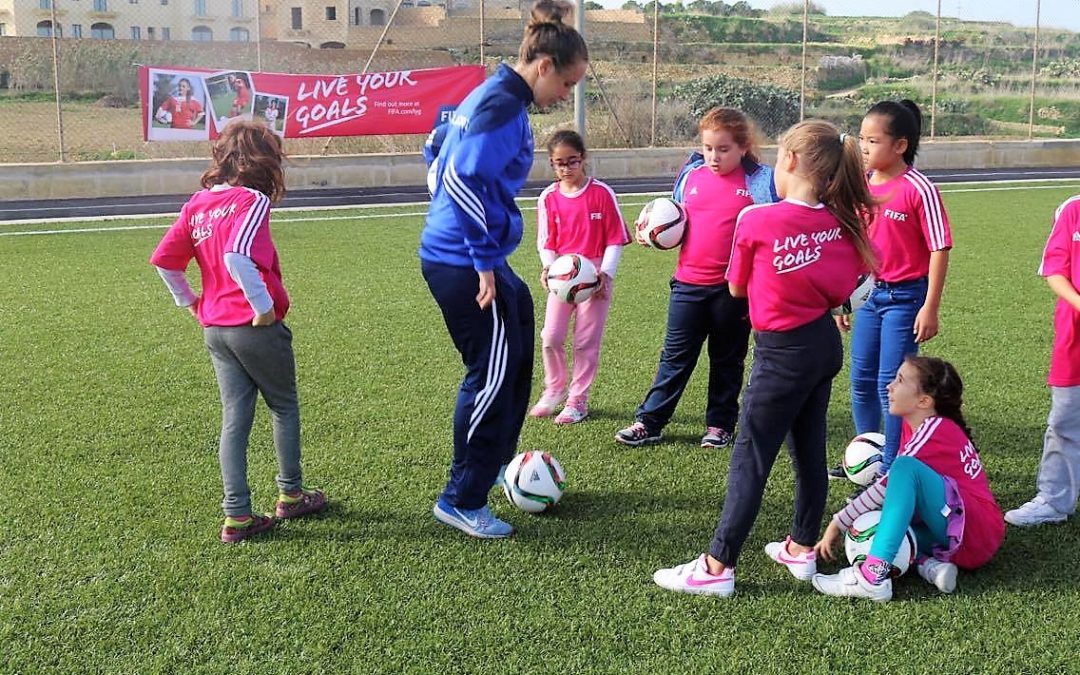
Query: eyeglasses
{"x": 568, "y": 164}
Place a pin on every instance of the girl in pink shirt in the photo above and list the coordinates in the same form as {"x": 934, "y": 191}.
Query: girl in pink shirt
{"x": 937, "y": 486}
{"x": 226, "y": 229}
{"x": 714, "y": 186}
{"x": 575, "y": 214}
{"x": 911, "y": 235}
{"x": 794, "y": 261}
{"x": 1058, "y": 481}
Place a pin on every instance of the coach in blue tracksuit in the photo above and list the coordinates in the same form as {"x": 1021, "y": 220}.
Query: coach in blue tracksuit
{"x": 478, "y": 162}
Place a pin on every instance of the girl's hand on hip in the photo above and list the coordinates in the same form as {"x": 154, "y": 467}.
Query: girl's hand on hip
{"x": 265, "y": 319}
{"x": 926, "y": 324}
{"x": 543, "y": 277}
{"x": 487, "y": 289}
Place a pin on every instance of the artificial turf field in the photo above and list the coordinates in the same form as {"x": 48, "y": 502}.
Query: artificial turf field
{"x": 109, "y": 417}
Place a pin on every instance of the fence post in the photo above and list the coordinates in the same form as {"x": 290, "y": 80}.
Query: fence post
{"x": 579, "y": 88}
{"x": 482, "y": 37}
{"x": 655, "y": 57}
{"x": 802, "y": 80}
{"x": 1034, "y": 72}
{"x": 258, "y": 35}
{"x": 934, "y": 75}
{"x": 54, "y": 31}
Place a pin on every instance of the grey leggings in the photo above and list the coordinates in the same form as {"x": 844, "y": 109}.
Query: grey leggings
{"x": 250, "y": 360}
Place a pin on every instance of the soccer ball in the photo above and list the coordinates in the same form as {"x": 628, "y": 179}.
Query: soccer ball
{"x": 572, "y": 278}
{"x": 534, "y": 481}
{"x": 860, "y": 536}
{"x": 862, "y": 457}
{"x": 165, "y": 117}
{"x": 662, "y": 224}
{"x": 858, "y": 297}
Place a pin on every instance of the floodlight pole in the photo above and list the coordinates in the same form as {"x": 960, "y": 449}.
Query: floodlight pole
{"x": 1034, "y": 72}
{"x": 579, "y": 88}
{"x": 934, "y": 77}
{"x": 655, "y": 61}
{"x": 258, "y": 35}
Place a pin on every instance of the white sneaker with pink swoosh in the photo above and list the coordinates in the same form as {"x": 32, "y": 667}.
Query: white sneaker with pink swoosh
{"x": 803, "y": 566}
{"x": 693, "y": 577}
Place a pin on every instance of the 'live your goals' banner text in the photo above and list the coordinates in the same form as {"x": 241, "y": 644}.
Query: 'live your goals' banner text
{"x": 195, "y": 103}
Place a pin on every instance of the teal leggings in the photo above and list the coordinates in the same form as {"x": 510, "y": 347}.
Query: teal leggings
{"x": 915, "y": 496}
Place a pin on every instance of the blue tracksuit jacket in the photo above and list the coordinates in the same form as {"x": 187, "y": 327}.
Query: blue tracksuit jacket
{"x": 477, "y": 162}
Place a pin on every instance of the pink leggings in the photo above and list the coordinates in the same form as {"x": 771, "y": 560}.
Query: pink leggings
{"x": 588, "y": 332}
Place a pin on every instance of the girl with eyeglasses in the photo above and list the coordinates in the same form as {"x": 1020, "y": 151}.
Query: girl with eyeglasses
{"x": 575, "y": 214}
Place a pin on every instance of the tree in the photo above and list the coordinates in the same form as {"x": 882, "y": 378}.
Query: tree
{"x": 589, "y": 4}
{"x": 632, "y": 5}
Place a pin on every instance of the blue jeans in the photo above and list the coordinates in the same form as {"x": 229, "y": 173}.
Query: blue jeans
{"x": 883, "y": 334}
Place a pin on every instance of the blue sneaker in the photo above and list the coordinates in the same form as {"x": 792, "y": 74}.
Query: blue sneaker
{"x": 480, "y": 522}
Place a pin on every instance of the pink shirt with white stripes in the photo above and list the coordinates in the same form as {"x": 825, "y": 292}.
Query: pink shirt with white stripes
{"x": 1062, "y": 257}
{"x": 909, "y": 224}
{"x": 585, "y": 222}
{"x": 215, "y": 222}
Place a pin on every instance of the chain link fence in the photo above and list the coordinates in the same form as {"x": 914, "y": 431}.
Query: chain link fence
{"x": 71, "y": 93}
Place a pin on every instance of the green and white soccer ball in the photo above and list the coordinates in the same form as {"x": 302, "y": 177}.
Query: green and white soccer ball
{"x": 534, "y": 481}
{"x": 860, "y": 536}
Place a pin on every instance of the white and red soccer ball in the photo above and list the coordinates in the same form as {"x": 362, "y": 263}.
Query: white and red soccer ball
{"x": 661, "y": 224}
{"x": 534, "y": 481}
{"x": 572, "y": 278}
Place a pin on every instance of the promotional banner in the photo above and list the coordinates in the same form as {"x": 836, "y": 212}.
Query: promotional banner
{"x": 193, "y": 104}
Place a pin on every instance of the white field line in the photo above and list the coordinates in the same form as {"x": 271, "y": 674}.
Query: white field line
{"x": 947, "y": 189}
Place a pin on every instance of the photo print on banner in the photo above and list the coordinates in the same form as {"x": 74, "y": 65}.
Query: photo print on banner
{"x": 178, "y": 106}
{"x": 230, "y": 96}
{"x": 274, "y": 110}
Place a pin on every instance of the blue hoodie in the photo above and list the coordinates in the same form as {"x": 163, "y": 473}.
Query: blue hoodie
{"x": 477, "y": 162}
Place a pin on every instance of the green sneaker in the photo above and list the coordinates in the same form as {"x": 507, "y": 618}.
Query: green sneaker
{"x": 238, "y": 528}
{"x": 300, "y": 503}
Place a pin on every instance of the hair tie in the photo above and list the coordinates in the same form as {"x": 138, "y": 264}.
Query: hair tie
{"x": 843, "y": 137}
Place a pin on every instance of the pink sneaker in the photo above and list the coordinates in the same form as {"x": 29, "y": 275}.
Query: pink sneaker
{"x": 572, "y": 414}
{"x": 803, "y": 566}
{"x": 546, "y": 406}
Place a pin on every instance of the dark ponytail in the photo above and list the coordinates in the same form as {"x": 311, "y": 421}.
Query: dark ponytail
{"x": 939, "y": 380}
{"x": 904, "y": 121}
{"x": 548, "y": 35}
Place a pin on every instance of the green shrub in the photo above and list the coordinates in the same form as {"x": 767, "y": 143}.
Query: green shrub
{"x": 773, "y": 108}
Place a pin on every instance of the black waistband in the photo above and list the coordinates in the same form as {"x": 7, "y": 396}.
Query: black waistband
{"x": 900, "y": 284}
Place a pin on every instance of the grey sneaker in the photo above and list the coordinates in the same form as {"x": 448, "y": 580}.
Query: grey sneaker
{"x": 716, "y": 437}
{"x": 637, "y": 434}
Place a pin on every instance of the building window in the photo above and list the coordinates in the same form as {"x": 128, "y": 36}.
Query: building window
{"x": 297, "y": 18}
{"x": 3, "y": 29}
{"x": 331, "y": 13}
{"x": 45, "y": 4}
{"x": 76, "y": 30}
{"x": 44, "y": 29}
{"x": 202, "y": 34}
{"x": 101, "y": 6}
{"x": 239, "y": 35}
{"x": 238, "y": 8}
{"x": 102, "y": 31}
{"x": 200, "y": 7}
{"x": 136, "y": 33}
{"x": 166, "y": 33}
{"x": 358, "y": 16}
{"x": 378, "y": 17}
{"x": 164, "y": 2}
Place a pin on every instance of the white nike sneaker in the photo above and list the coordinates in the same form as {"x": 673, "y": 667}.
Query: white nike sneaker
{"x": 803, "y": 566}
{"x": 693, "y": 577}
{"x": 1035, "y": 512}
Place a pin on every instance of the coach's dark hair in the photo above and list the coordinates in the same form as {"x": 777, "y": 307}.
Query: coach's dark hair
{"x": 736, "y": 123}
{"x": 547, "y": 35}
{"x": 566, "y": 137}
{"x": 832, "y": 162}
{"x": 939, "y": 380}
{"x": 904, "y": 120}
{"x": 249, "y": 154}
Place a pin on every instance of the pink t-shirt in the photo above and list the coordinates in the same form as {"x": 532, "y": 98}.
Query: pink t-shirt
{"x": 909, "y": 224}
{"x": 1062, "y": 257}
{"x": 795, "y": 261}
{"x": 584, "y": 222}
{"x": 712, "y": 205}
{"x": 942, "y": 445}
{"x": 211, "y": 224}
